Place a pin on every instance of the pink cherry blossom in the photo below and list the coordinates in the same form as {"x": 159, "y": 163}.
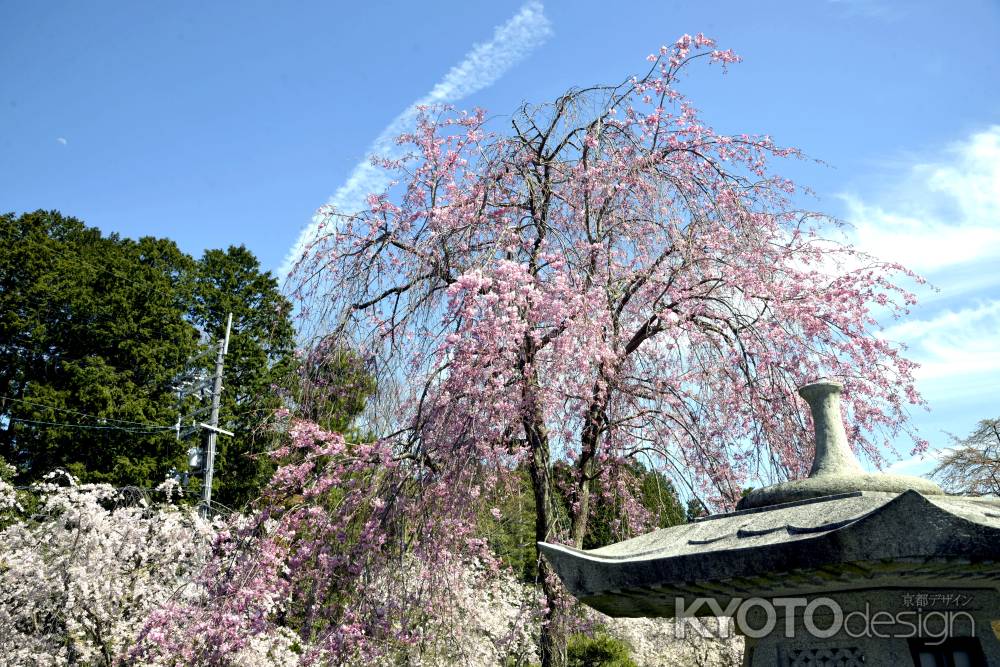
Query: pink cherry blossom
{"x": 609, "y": 281}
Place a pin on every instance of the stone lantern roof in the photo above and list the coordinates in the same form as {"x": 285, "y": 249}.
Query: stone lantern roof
{"x": 839, "y": 529}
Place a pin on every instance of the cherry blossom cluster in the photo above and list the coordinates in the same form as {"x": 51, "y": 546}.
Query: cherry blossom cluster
{"x": 350, "y": 557}
{"x": 608, "y": 280}
{"x": 646, "y": 269}
{"x": 80, "y": 573}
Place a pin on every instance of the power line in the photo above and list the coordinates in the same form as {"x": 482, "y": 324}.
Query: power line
{"x": 11, "y": 343}
{"x": 84, "y": 414}
{"x": 92, "y": 427}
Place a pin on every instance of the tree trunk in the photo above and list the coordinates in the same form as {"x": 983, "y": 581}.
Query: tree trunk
{"x": 553, "y": 636}
{"x": 589, "y": 441}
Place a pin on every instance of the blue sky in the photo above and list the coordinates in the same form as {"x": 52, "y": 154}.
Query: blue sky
{"x": 222, "y": 123}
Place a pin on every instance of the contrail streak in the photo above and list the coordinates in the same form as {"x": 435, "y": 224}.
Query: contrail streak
{"x": 481, "y": 67}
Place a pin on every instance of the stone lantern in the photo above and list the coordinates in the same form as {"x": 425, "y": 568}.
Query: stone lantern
{"x": 841, "y": 568}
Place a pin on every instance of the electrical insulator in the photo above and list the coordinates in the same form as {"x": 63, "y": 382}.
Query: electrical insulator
{"x": 194, "y": 458}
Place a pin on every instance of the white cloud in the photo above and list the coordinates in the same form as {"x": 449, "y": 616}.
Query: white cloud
{"x": 481, "y": 67}
{"x": 943, "y": 214}
{"x": 61, "y": 140}
{"x": 925, "y": 244}
{"x": 961, "y": 343}
{"x": 919, "y": 464}
{"x": 941, "y": 218}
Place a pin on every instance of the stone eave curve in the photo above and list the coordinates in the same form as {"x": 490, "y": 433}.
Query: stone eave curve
{"x": 905, "y": 527}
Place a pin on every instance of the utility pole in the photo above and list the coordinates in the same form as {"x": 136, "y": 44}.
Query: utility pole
{"x": 213, "y": 422}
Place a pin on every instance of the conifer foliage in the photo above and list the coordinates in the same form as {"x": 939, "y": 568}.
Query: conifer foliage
{"x": 94, "y": 333}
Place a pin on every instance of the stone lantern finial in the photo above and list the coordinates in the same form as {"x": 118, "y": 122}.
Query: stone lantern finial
{"x": 833, "y": 454}
{"x": 835, "y": 469}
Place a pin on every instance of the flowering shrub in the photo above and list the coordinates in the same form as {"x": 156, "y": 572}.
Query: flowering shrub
{"x": 653, "y": 642}
{"x": 10, "y": 499}
{"x": 79, "y": 576}
{"x": 90, "y": 571}
{"x": 353, "y": 556}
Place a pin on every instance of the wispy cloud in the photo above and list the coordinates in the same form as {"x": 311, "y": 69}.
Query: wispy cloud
{"x": 943, "y": 214}
{"x": 919, "y": 464}
{"x": 481, "y": 67}
{"x": 61, "y": 140}
{"x": 924, "y": 243}
{"x": 941, "y": 217}
{"x": 962, "y": 343}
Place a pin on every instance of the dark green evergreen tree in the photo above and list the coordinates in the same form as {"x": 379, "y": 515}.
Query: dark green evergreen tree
{"x": 512, "y": 534}
{"x": 96, "y": 332}
{"x": 92, "y": 332}
{"x": 610, "y": 521}
{"x": 260, "y": 368}
{"x": 333, "y": 387}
